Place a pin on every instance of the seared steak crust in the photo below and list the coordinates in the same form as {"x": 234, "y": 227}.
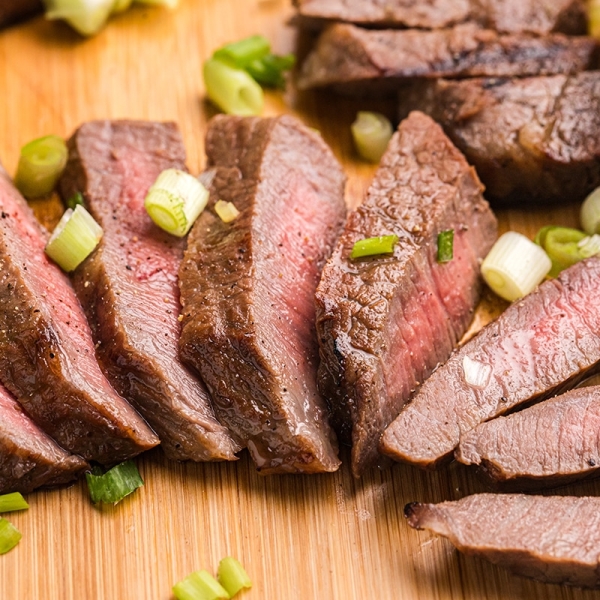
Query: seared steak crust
{"x": 554, "y": 539}
{"x": 385, "y": 322}
{"x": 247, "y": 287}
{"x": 128, "y": 286}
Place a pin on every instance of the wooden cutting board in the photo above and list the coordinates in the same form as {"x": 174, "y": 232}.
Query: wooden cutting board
{"x": 305, "y": 538}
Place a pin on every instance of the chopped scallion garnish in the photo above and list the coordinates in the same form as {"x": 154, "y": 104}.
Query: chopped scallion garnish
{"x": 243, "y": 52}
{"x": 114, "y": 485}
{"x": 175, "y": 200}
{"x": 232, "y": 576}
{"x": 590, "y": 209}
{"x": 269, "y": 69}
{"x": 445, "y": 246}
{"x": 384, "y": 244}
{"x": 9, "y": 536}
{"x": 200, "y": 585}
{"x": 73, "y": 239}
{"x": 74, "y": 200}
{"x": 371, "y": 132}
{"x": 226, "y": 211}
{"x": 12, "y": 502}
{"x": 41, "y": 163}
{"x": 85, "y": 16}
{"x": 561, "y": 244}
{"x": 515, "y": 266}
{"x": 121, "y": 6}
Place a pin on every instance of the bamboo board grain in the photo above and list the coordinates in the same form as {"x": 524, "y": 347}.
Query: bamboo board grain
{"x": 323, "y": 537}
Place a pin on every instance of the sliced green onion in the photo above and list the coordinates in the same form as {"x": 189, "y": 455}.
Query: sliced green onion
{"x": 371, "y": 132}
{"x": 114, "y": 485}
{"x": 232, "y": 576}
{"x": 226, "y": 211}
{"x": 75, "y": 200}
{"x": 166, "y": 3}
{"x": 41, "y": 163}
{"x": 74, "y": 238}
{"x": 12, "y": 502}
{"x": 384, "y": 244}
{"x": 269, "y": 69}
{"x": 243, "y": 52}
{"x": 445, "y": 246}
{"x": 594, "y": 18}
{"x": 85, "y": 16}
{"x": 232, "y": 90}
{"x": 175, "y": 200}
{"x": 200, "y": 585}
{"x": 562, "y": 246}
{"x": 120, "y": 6}
{"x": 9, "y": 536}
{"x": 590, "y": 212}
{"x": 589, "y": 246}
{"x": 515, "y": 266}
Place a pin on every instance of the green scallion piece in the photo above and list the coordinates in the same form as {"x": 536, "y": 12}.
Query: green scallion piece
{"x": 9, "y": 536}
{"x": 73, "y": 239}
{"x": 41, "y": 163}
{"x": 114, "y": 485}
{"x": 233, "y": 90}
{"x": 243, "y": 52}
{"x": 200, "y": 585}
{"x": 75, "y": 200}
{"x": 121, "y": 6}
{"x": 269, "y": 69}
{"x": 232, "y": 576}
{"x": 590, "y": 211}
{"x": 371, "y": 132}
{"x": 175, "y": 201}
{"x": 445, "y": 246}
{"x": 85, "y": 16}
{"x": 384, "y": 244}
{"x": 12, "y": 502}
{"x": 561, "y": 244}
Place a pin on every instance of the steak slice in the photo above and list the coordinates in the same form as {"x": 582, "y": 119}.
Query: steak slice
{"x": 385, "y": 322}
{"x": 532, "y": 141}
{"x": 508, "y": 16}
{"x": 540, "y": 345}
{"x": 12, "y": 11}
{"x": 28, "y": 457}
{"x": 46, "y": 351}
{"x": 554, "y": 539}
{"x": 247, "y": 287}
{"x": 550, "y": 444}
{"x": 349, "y": 57}
{"x": 128, "y": 286}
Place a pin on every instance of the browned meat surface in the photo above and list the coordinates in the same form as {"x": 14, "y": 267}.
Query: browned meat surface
{"x": 539, "y": 346}
{"x": 385, "y": 322}
{"x": 554, "y": 539}
{"x": 508, "y": 16}
{"x": 247, "y": 287}
{"x": 12, "y": 11}
{"x": 28, "y": 457}
{"x": 347, "y": 57}
{"x": 46, "y": 351}
{"x": 550, "y": 444}
{"x": 128, "y": 287}
{"x": 532, "y": 141}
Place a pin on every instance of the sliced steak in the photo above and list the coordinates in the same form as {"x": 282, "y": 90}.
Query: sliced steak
{"x": 540, "y": 345}
{"x": 385, "y": 322}
{"x": 532, "y": 141}
{"x": 554, "y": 539}
{"x": 12, "y": 11}
{"x": 46, "y": 351}
{"x": 348, "y": 57}
{"x": 550, "y": 444}
{"x": 128, "y": 286}
{"x": 508, "y": 16}
{"x": 247, "y": 287}
{"x": 28, "y": 457}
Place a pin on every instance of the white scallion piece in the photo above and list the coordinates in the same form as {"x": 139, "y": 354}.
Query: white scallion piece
{"x": 73, "y": 239}
{"x": 590, "y": 213}
{"x": 226, "y": 211}
{"x": 85, "y": 16}
{"x": 175, "y": 201}
{"x": 589, "y": 246}
{"x": 477, "y": 374}
{"x": 371, "y": 132}
{"x": 515, "y": 266}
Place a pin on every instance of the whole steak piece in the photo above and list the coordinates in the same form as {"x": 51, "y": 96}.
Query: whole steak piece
{"x": 385, "y": 322}
{"x": 508, "y": 16}
{"x": 349, "y": 57}
{"x": 46, "y": 350}
{"x": 546, "y": 445}
{"x": 554, "y": 539}
{"x": 532, "y": 141}
{"x": 247, "y": 287}
{"x": 28, "y": 457}
{"x": 128, "y": 286}
{"x": 541, "y": 345}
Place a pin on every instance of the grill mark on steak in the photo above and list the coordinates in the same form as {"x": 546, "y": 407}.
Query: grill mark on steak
{"x": 532, "y": 141}
{"x": 540, "y": 345}
{"x": 546, "y": 445}
{"x": 128, "y": 287}
{"x": 46, "y": 350}
{"x": 28, "y": 457}
{"x": 347, "y": 57}
{"x": 385, "y": 322}
{"x": 554, "y": 539}
{"x": 247, "y": 287}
